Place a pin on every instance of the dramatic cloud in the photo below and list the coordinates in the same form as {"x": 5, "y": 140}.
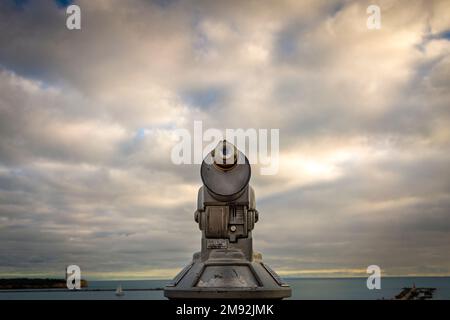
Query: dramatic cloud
{"x": 88, "y": 120}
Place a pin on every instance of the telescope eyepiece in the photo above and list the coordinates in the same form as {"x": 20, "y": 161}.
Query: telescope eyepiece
{"x": 225, "y": 156}
{"x": 225, "y": 171}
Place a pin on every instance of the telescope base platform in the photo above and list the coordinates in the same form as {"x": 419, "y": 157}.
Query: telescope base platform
{"x": 222, "y": 277}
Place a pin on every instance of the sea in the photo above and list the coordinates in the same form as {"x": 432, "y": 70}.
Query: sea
{"x": 302, "y": 289}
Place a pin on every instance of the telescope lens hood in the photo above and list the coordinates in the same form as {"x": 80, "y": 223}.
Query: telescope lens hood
{"x": 224, "y": 181}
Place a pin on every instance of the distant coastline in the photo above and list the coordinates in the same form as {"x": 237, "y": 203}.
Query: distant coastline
{"x": 26, "y": 283}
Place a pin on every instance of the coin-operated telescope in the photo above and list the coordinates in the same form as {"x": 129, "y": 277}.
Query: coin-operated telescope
{"x": 226, "y": 266}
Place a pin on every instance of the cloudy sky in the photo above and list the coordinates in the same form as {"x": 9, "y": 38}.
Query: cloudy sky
{"x": 87, "y": 122}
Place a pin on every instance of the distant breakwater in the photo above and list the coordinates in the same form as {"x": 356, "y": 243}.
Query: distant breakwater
{"x": 26, "y": 283}
{"x": 80, "y": 290}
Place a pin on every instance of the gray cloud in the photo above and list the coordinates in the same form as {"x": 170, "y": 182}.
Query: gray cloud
{"x": 87, "y": 122}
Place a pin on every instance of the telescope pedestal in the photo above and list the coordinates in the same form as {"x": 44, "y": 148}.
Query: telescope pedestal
{"x": 227, "y": 274}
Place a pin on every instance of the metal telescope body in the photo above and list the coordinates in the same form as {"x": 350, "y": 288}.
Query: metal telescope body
{"x": 226, "y": 266}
